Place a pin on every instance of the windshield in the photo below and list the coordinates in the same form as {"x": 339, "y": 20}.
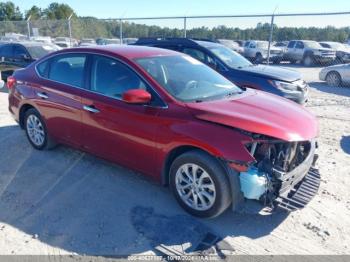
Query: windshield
{"x": 37, "y": 52}
{"x": 230, "y": 57}
{"x": 187, "y": 79}
{"x": 312, "y": 44}
{"x": 337, "y": 45}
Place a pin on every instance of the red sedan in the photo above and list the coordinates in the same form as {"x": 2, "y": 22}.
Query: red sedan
{"x": 174, "y": 119}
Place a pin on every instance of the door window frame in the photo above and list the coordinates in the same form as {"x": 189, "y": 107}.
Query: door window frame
{"x": 53, "y": 58}
{"x": 87, "y": 76}
{"x": 158, "y": 102}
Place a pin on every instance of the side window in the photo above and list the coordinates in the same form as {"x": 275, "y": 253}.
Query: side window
{"x": 246, "y": 44}
{"x": 68, "y": 69}
{"x": 299, "y": 45}
{"x": 6, "y": 51}
{"x": 43, "y": 69}
{"x": 19, "y": 51}
{"x": 252, "y": 45}
{"x": 112, "y": 78}
{"x": 291, "y": 44}
{"x": 199, "y": 55}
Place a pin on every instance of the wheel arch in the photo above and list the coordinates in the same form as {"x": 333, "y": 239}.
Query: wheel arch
{"x": 22, "y": 111}
{"x": 172, "y": 155}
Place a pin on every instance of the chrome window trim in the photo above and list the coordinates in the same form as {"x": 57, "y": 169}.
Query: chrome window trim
{"x": 165, "y": 106}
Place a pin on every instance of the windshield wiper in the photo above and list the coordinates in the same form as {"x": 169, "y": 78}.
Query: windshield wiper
{"x": 233, "y": 93}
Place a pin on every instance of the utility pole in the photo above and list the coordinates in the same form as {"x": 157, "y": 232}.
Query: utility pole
{"x": 271, "y": 34}
{"x": 28, "y": 26}
{"x": 121, "y": 31}
{"x": 185, "y": 27}
{"x": 70, "y": 29}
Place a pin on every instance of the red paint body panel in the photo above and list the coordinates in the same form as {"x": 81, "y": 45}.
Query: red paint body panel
{"x": 141, "y": 136}
{"x": 260, "y": 113}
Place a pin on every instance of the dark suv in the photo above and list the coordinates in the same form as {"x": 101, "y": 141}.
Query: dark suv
{"x": 280, "y": 81}
{"x": 20, "y": 55}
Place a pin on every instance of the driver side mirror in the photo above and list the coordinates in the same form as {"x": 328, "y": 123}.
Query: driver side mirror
{"x": 24, "y": 57}
{"x": 136, "y": 96}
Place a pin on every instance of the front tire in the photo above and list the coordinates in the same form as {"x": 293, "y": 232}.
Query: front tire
{"x": 334, "y": 79}
{"x": 200, "y": 184}
{"x": 36, "y": 130}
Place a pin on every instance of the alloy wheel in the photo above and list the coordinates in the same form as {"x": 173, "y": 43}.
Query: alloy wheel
{"x": 195, "y": 187}
{"x": 35, "y": 130}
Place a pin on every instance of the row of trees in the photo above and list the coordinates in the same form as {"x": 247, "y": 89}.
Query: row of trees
{"x": 52, "y": 21}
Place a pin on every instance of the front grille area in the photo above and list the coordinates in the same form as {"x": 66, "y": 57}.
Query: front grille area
{"x": 302, "y": 193}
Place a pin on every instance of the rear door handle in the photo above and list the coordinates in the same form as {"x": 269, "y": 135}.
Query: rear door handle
{"x": 91, "y": 109}
{"x": 42, "y": 95}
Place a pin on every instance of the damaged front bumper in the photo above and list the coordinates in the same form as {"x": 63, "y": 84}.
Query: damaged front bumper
{"x": 300, "y": 194}
{"x": 294, "y": 189}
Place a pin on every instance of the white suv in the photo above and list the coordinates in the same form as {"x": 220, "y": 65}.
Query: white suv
{"x": 257, "y": 51}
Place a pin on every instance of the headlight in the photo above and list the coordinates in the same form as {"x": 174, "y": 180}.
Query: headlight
{"x": 284, "y": 86}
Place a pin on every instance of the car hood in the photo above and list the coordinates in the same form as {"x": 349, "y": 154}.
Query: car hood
{"x": 272, "y": 72}
{"x": 261, "y": 113}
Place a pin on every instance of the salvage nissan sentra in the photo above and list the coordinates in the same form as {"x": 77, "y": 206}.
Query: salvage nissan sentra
{"x": 174, "y": 119}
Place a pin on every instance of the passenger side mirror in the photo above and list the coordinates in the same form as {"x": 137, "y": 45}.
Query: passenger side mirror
{"x": 136, "y": 96}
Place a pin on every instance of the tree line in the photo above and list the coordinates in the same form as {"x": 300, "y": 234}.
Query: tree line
{"x": 52, "y": 21}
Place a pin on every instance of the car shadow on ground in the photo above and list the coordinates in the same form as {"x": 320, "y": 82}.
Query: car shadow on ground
{"x": 323, "y": 87}
{"x": 82, "y": 204}
{"x": 345, "y": 144}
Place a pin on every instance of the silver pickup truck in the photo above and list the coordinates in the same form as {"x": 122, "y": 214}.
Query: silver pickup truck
{"x": 308, "y": 52}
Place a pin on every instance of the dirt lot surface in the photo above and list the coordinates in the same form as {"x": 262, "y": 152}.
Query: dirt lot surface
{"x": 65, "y": 201}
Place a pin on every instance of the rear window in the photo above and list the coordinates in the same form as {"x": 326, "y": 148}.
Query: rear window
{"x": 43, "y": 69}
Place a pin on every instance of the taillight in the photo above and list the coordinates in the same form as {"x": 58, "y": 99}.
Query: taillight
{"x": 11, "y": 82}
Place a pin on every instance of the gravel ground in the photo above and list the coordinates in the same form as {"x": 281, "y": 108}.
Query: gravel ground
{"x": 66, "y": 202}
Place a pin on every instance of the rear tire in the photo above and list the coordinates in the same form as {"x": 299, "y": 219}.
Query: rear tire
{"x": 308, "y": 61}
{"x": 200, "y": 184}
{"x": 36, "y": 130}
{"x": 258, "y": 58}
{"x": 334, "y": 79}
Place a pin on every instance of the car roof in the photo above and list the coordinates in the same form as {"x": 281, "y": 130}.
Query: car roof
{"x": 127, "y": 51}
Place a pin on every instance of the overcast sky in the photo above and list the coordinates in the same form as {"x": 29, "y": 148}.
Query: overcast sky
{"x": 149, "y": 8}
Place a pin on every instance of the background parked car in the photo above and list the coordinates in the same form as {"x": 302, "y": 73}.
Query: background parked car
{"x": 87, "y": 42}
{"x": 20, "y": 55}
{"x": 342, "y": 51}
{"x": 42, "y": 39}
{"x": 280, "y": 81}
{"x": 308, "y": 52}
{"x": 282, "y": 45}
{"x": 257, "y": 51}
{"x": 108, "y": 41}
{"x": 232, "y": 45}
{"x": 336, "y": 75}
{"x": 65, "y": 42}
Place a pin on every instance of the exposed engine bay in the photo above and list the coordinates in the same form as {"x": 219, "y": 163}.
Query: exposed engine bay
{"x": 278, "y": 167}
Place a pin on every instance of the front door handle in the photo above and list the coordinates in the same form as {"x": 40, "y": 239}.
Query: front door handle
{"x": 42, "y": 95}
{"x": 91, "y": 109}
